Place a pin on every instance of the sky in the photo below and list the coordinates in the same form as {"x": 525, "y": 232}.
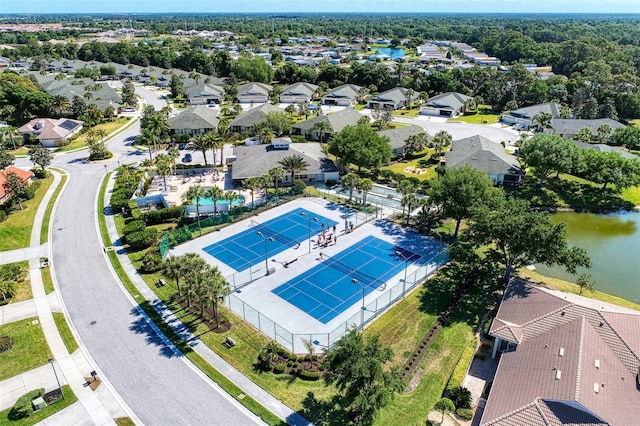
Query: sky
{"x": 281, "y": 6}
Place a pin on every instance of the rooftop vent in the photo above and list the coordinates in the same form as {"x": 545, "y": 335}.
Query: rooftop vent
{"x": 596, "y": 388}
{"x": 561, "y": 352}
{"x": 597, "y": 363}
{"x": 558, "y": 374}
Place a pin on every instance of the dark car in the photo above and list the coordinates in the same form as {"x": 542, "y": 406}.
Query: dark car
{"x": 187, "y": 158}
{"x": 182, "y": 146}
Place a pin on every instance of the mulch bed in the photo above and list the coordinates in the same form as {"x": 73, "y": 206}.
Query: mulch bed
{"x": 53, "y": 396}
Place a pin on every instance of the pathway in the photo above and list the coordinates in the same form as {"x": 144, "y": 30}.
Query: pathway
{"x": 34, "y": 252}
{"x": 246, "y": 385}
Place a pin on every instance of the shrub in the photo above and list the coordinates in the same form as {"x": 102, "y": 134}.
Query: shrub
{"x": 279, "y": 368}
{"x": 29, "y": 193}
{"x": 292, "y": 357}
{"x": 3, "y": 215}
{"x": 39, "y": 173}
{"x": 461, "y": 368}
{"x": 309, "y": 375}
{"x": 23, "y": 407}
{"x": 155, "y": 217}
{"x": 142, "y": 239}
{"x": 331, "y": 183}
{"x": 134, "y": 226}
{"x": 136, "y": 213}
{"x": 151, "y": 262}
{"x": 460, "y": 396}
{"x": 464, "y": 413}
{"x": 6, "y": 343}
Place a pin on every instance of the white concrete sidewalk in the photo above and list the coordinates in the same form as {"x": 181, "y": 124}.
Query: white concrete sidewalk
{"x": 71, "y": 369}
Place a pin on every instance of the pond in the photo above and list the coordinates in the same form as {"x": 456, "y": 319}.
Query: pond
{"x": 613, "y": 243}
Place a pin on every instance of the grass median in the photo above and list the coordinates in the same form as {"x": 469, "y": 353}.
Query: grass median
{"x": 65, "y": 332}
{"x": 250, "y": 403}
{"x": 44, "y": 229}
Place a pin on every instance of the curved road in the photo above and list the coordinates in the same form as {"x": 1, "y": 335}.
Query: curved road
{"x": 160, "y": 388}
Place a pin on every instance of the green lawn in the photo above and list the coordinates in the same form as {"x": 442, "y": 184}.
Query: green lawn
{"x": 65, "y": 332}
{"x": 484, "y": 116}
{"x": 23, "y": 151}
{"x": 414, "y": 112}
{"x": 415, "y": 161}
{"x": 632, "y": 195}
{"x": 44, "y": 230}
{"x": 47, "y": 280}
{"x": 15, "y": 231}
{"x": 40, "y": 415}
{"x": 24, "y": 286}
{"x": 110, "y": 127}
{"x": 30, "y": 349}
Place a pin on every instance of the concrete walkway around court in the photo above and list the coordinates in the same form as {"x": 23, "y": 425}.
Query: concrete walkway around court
{"x": 245, "y": 384}
{"x": 71, "y": 368}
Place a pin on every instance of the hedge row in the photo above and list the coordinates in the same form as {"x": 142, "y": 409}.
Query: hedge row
{"x": 155, "y": 217}
{"x": 461, "y": 368}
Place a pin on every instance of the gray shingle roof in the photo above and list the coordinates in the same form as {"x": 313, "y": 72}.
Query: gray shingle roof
{"x": 254, "y": 89}
{"x": 529, "y": 112}
{"x": 254, "y": 161}
{"x": 346, "y": 91}
{"x": 604, "y": 148}
{"x": 398, "y": 137}
{"x": 197, "y": 117}
{"x": 483, "y": 154}
{"x": 395, "y": 95}
{"x": 573, "y": 126}
{"x": 202, "y": 90}
{"x": 254, "y": 115}
{"x": 449, "y": 100}
{"x": 296, "y": 89}
{"x": 337, "y": 120}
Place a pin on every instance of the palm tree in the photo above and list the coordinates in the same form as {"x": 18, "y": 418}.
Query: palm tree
{"x": 266, "y": 181}
{"x": 101, "y": 134}
{"x": 415, "y": 143}
{"x": 542, "y": 121}
{"x": 303, "y": 109}
{"x": 157, "y": 125}
{"x": 320, "y": 127}
{"x": 364, "y": 185}
{"x": 410, "y": 201}
{"x": 195, "y": 273}
{"x": 440, "y": 140}
{"x": 11, "y": 134}
{"x": 277, "y": 174}
{"x": 202, "y": 143}
{"x": 163, "y": 167}
{"x": 294, "y": 164}
{"x": 193, "y": 194}
{"x": 230, "y": 196}
{"x": 215, "y": 142}
{"x": 173, "y": 153}
{"x": 58, "y": 104}
{"x": 215, "y": 193}
{"x": 173, "y": 268}
{"x": 252, "y": 184}
{"x": 290, "y": 109}
{"x": 264, "y": 133}
{"x": 351, "y": 181}
{"x": 216, "y": 289}
{"x": 405, "y": 187}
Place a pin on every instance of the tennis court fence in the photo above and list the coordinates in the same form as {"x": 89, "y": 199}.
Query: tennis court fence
{"x": 294, "y": 342}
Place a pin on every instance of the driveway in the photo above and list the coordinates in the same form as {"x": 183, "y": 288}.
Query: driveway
{"x": 161, "y": 388}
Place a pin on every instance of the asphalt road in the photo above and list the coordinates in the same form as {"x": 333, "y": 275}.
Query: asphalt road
{"x": 160, "y": 388}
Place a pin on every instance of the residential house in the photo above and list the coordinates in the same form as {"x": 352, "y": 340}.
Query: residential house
{"x": 298, "y": 93}
{"x": 204, "y": 94}
{"x": 565, "y": 360}
{"x": 488, "y": 156}
{"x": 257, "y": 160}
{"x": 523, "y": 117}
{"x": 51, "y": 132}
{"x": 449, "y": 104}
{"x": 398, "y": 138}
{"x": 245, "y": 121}
{"x": 256, "y": 93}
{"x": 568, "y": 128}
{"x": 335, "y": 122}
{"x": 24, "y": 175}
{"x": 345, "y": 95}
{"x": 196, "y": 120}
{"x": 396, "y": 98}
{"x": 605, "y": 148}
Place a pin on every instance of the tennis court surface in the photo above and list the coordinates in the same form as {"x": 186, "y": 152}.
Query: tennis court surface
{"x": 336, "y": 283}
{"x": 247, "y": 248}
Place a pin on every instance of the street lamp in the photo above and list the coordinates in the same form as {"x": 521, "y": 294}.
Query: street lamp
{"x": 56, "y": 374}
{"x": 406, "y": 262}
{"x": 266, "y": 250}
{"x": 309, "y": 218}
{"x": 355, "y": 281}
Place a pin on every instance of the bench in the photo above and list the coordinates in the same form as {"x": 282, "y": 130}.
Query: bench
{"x": 161, "y": 283}
{"x": 229, "y": 342}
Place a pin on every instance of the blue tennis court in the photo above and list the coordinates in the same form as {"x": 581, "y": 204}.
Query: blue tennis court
{"x": 328, "y": 289}
{"x": 247, "y": 248}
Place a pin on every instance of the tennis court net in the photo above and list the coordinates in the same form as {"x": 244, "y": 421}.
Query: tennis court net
{"x": 267, "y": 232}
{"x": 352, "y": 272}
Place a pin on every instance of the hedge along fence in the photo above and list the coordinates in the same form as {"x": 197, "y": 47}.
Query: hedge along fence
{"x": 462, "y": 367}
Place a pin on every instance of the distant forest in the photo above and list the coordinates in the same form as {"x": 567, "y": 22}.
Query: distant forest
{"x": 598, "y": 54}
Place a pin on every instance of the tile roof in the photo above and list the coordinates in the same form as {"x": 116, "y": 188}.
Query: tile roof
{"x": 581, "y": 362}
{"x": 22, "y": 174}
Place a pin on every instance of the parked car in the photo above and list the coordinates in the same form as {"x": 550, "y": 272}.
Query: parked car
{"x": 187, "y": 158}
{"x": 182, "y": 146}
{"x": 130, "y": 109}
